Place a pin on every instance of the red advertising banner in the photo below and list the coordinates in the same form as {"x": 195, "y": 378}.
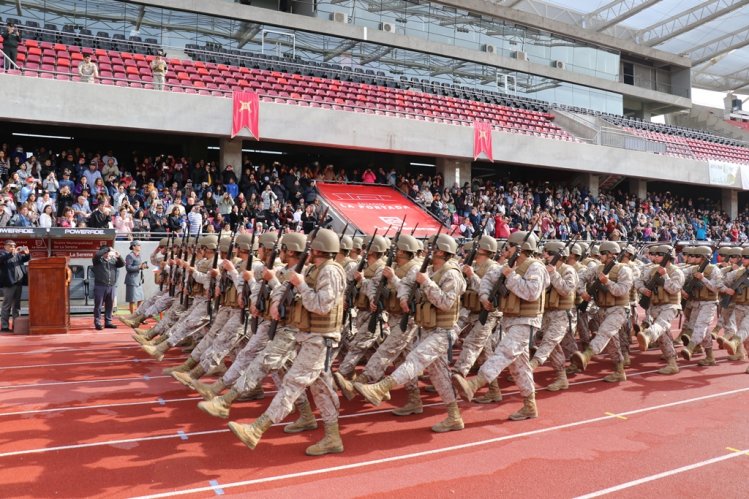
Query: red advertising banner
{"x": 245, "y": 113}
{"x": 371, "y": 207}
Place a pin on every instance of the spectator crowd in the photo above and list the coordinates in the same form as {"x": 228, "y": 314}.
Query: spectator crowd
{"x": 144, "y": 195}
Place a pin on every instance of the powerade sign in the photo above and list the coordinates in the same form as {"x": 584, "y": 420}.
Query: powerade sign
{"x": 59, "y": 241}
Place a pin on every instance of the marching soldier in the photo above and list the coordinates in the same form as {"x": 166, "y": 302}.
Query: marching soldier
{"x": 406, "y": 266}
{"x": 706, "y": 307}
{"x": 318, "y": 315}
{"x": 612, "y": 299}
{"x": 740, "y": 302}
{"x": 522, "y": 312}
{"x": 437, "y": 314}
{"x": 559, "y": 317}
{"x": 665, "y": 304}
{"x": 479, "y": 338}
{"x": 625, "y": 333}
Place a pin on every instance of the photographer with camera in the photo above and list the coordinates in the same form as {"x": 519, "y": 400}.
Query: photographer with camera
{"x": 13, "y": 275}
{"x": 11, "y": 40}
{"x": 134, "y": 266}
{"x": 106, "y": 262}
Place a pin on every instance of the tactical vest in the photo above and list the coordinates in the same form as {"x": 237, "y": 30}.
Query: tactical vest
{"x": 514, "y": 306}
{"x": 392, "y": 304}
{"x": 555, "y": 301}
{"x": 282, "y": 275}
{"x": 633, "y": 298}
{"x": 470, "y": 298}
{"x": 588, "y": 260}
{"x": 705, "y": 294}
{"x": 427, "y": 315}
{"x": 362, "y": 300}
{"x": 307, "y": 321}
{"x": 741, "y": 298}
{"x": 663, "y": 297}
{"x": 604, "y": 298}
{"x": 203, "y": 266}
{"x": 231, "y": 297}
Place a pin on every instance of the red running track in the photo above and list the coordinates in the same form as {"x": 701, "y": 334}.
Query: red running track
{"x": 97, "y": 423}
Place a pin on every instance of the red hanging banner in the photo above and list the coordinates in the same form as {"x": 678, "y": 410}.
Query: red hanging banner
{"x": 482, "y": 140}
{"x": 245, "y": 113}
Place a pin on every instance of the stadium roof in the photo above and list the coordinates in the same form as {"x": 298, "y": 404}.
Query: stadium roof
{"x": 713, "y": 34}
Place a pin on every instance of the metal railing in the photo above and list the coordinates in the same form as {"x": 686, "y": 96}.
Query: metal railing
{"x": 612, "y": 137}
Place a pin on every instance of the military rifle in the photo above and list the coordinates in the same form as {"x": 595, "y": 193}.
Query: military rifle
{"x": 246, "y": 288}
{"x": 411, "y": 299}
{"x": 187, "y": 278}
{"x": 500, "y": 288}
{"x": 738, "y": 287}
{"x": 380, "y": 293}
{"x": 168, "y": 254}
{"x": 212, "y": 280}
{"x": 413, "y": 231}
{"x": 223, "y": 280}
{"x": 558, "y": 255}
{"x": 263, "y": 293}
{"x": 352, "y": 291}
{"x": 597, "y": 284}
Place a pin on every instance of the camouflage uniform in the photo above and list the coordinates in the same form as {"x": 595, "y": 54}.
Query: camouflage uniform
{"x": 479, "y": 338}
{"x": 704, "y": 311}
{"x": 512, "y": 350}
{"x": 197, "y": 318}
{"x": 663, "y": 314}
{"x": 612, "y": 317}
{"x": 431, "y": 352}
{"x": 307, "y": 370}
{"x": 557, "y": 324}
{"x": 740, "y": 305}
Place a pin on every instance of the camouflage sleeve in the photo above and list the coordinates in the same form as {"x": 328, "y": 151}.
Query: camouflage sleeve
{"x": 624, "y": 283}
{"x": 487, "y": 283}
{"x": 636, "y": 272}
{"x": 202, "y": 277}
{"x": 641, "y": 281}
{"x": 157, "y": 257}
{"x": 236, "y": 279}
{"x": 474, "y": 282}
{"x": 329, "y": 289}
{"x": 564, "y": 283}
{"x": 730, "y": 277}
{"x": 715, "y": 282}
{"x": 370, "y": 285}
{"x": 447, "y": 292}
{"x": 586, "y": 276}
{"x": 404, "y": 285}
{"x": 530, "y": 286}
{"x": 674, "y": 281}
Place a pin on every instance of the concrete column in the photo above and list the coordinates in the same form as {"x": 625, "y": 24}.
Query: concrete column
{"x": 730, "y": 203}
{"x": 638, "y": 187}
{"x": 231, "y": 154}
{"x": 454, "y": 171}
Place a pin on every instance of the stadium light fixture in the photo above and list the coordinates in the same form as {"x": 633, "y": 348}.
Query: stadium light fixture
{"x": 422, "y": 164}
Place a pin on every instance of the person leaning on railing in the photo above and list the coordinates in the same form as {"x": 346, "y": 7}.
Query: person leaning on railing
{"x": 11, "y": 40}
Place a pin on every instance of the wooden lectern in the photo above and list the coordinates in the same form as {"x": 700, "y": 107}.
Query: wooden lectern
{"x": 49, "y": 307}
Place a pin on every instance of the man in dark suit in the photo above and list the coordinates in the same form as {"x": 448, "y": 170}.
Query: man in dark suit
{"x": 106, "y": 262}
{"x": 12, "y": 276}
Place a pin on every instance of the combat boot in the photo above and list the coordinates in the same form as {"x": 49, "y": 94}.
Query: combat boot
{"x": 141, "y": 332}
{"x": 141, "y": 340}
{"x": 157, "y": 351}
{"x": 375, "y": 392}
{"x": 346, "y": 386}
{"x": 188, "y": 364}
{"x": 413, "y": 404}
{"x": 467, "y": 387}
{"x": 685, "y": 336}
{"x": 188, "y": 379}
{"x": 133, "y": 321}
{"x": 618, "y": 375}
{"x": 571, "y": 370}
{"x": 209, "y": 391}
{"x": 627, "y": 359}
{"x": 581, "y": 359}
{"x": 740, "y": 353}
{"x": 492, "y": 395}
{"x": 306, "y": 420}
{"x": 256, "y": 393}
{"x": 732, "y": 345}
{"x": 709, "y": 360}
{"x": 560, "y": 383}
{"x": 219, "y": 406}
{"x": 528, "y": 411}
{"x": 534, "y": 363}
{"x": 671, "y": 367}
{"x": 688, "y": 351}
{"x": 452, "y": 422}
{"x": 643, "y": 341}
{"x": 331, "y": 443}
{"x": 250, "y": 434}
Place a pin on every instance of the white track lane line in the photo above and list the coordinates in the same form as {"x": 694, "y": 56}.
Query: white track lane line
{"x": 441, "y": 450}
{"x": 135, "y": 360}
{"x": 73, "y": 408}
{"x": 121, "y": 346}
{"x": 658, "y": 476}
{"x": 146, "y": 377}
